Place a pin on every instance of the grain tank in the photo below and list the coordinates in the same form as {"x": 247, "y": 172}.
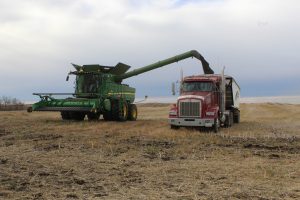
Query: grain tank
{"x": 99, "y": 91}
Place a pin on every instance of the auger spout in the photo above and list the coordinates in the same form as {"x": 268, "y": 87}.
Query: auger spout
{"x": 192, "y": 53}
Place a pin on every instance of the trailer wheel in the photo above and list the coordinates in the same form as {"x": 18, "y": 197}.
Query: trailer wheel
{"x": 216, "y": 125}
{"x": 236, "y": 116}
{"x": 132, "y": 112}
{"x": 65, "y": 115}
{"x": 93, "y": 116}
{"x": 229, "y": 120}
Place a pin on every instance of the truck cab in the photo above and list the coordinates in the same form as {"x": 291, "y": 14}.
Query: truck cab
{"x": 205, "y": 101}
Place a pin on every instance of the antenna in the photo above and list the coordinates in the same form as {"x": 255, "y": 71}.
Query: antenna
{"x": 181, "y": 75}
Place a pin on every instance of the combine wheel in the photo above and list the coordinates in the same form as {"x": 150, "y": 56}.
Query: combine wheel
{"x": 123, "y": 112}
{"x": 93, "y": 116}
{"x": 119, "y": 111}
{"x": 114, "y": 113}
{"x": 132, "y": 112}
{"x": 107, "y": 115}
{"x": 79, "y": 116}
{"x": 65, "y": 115}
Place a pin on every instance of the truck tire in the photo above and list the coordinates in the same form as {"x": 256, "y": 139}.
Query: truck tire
{"x": 216, "y": 125}
{"x": 65, "y": 115}
{"x": 93, "y": 116}
{"x": 236, "y": 116}
{"x": 174, "y": 127}
{"x": 132, "y": 112}
{"x": 229, "y": 120}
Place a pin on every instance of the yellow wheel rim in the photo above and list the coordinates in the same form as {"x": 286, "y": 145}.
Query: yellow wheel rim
{"x": 134, "y": 113}
{"x": 124, "y": 110}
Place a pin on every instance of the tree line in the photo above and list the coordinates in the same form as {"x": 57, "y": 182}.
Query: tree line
{"x": 9, "y": 103}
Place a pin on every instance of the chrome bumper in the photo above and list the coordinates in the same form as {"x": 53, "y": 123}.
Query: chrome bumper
{"x": 191, "y": 122}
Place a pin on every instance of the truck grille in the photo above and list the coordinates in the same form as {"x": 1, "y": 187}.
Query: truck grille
{"x": 190, "y": 109}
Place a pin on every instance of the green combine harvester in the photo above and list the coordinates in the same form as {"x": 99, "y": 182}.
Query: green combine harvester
{"x": 99, "y": 90}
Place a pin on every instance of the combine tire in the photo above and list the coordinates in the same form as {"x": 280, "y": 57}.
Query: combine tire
{"x": 119, "y": 111}
{"x": 65, "y": 115}
{"x": 115, "y": 110}
{"x": 107, "y": 115}
{"x": 93, "y": 116}
{"x": 78, "y": 116}
{"x": 122, "y": 112}
{"x": 132, "y": 112}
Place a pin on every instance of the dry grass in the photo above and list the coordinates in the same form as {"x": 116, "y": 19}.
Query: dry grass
{"x": 42, "y": 157}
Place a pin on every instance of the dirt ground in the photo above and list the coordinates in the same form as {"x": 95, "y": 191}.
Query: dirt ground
{"x": 43, "y": 157}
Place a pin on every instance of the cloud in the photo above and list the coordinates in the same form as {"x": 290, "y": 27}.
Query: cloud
{"x": 256, "y": 40}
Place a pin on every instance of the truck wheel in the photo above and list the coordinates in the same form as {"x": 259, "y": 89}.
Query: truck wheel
{"x": 230, "y": 119}
{"x": 236, "y": 116}
{"x": 174, "y": 127}
{"x": 132, "y": 112}
{"x": 93, "y": 116}
{"x": 216, "y": 125}
{"x": 114, "y": 110}
{"x": 78, "y": 116}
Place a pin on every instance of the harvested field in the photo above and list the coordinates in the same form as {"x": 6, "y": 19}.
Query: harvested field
{"x": 43, "y": 157}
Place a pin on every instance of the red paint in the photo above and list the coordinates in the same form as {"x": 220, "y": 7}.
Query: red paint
{"x": 209, "y": 100}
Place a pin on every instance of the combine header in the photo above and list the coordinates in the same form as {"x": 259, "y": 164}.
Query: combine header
{"x": 99, "y": 90}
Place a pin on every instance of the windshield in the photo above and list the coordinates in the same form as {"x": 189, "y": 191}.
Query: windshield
{"x": 197, "y": 86}
{"x": 88, "y": 83}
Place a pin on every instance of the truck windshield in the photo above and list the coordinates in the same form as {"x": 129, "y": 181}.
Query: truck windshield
{"x": 197, "y": 86}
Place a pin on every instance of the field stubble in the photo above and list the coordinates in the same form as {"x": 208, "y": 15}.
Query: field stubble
{"x": 43, "y": 157}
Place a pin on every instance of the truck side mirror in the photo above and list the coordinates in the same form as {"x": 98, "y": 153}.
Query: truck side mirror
{"x": 173, "y": 89}
{"x": 67, "y": 79}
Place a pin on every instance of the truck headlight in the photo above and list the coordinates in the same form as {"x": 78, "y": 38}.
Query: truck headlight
{"x": 173, "y": 112}
{"x": 210, "y": 113}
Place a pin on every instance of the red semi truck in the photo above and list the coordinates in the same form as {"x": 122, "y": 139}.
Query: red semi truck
{"x": 209, "y": 100}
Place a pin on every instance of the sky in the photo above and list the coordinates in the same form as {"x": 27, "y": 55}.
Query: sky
{"x": 256, "y": 40}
